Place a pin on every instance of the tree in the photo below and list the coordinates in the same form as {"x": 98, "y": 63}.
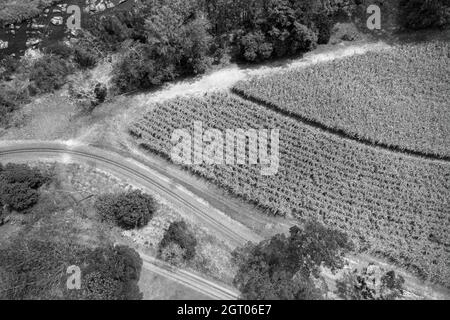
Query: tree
{"x": 18, "y": 186}
{"x": 22, "y": 173}
{"x": 285, "y": 267}
{"x": 370, "y": 283}
{"x": 18, "y": 196}
{"x": 129, "y": 210}
{"x": 110, "y": 273}
{"x": 421, "y": 14}
{"x": 49, "y": 74}
{"x": 176, "y": 42}
{"x": 173, "y": 254}
{"x": 179, "y": 234}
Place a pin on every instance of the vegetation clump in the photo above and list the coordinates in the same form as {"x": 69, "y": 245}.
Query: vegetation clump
{"x": 178, "y": 244}
{"x": 36, "y": 269}
{"x": 19, "y": 186}
{"x": 129, "y": 210}
{"x": 285, "y": 267}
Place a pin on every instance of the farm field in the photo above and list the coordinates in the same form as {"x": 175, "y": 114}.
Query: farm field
{"x": 391, "y": 204}
{"x": 399, "y": 98}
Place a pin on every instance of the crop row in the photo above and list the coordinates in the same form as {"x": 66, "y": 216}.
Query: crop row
{"x": 397, "y": 98}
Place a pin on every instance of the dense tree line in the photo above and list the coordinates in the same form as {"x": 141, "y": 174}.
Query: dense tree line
{"x": 162, "y": 40}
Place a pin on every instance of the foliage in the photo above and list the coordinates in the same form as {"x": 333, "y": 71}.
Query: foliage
{"x": 59, "y": 49}
{"x": 49, "y": 74}
{"x": 387, "y": 204}
{"x": 18, "y": 186}
{"x": 35, "y": 269}
{"x": 179, "y": 234}
{"x": 173, "y": 254}
{"x": 18, "y": 196}
{"x": 8, "y": 65}
{"x": 276, "y": 29}
{"x": 175, "y": 43}
{"x": 12, "y": 94}
{"x": 110, "y": 273}
{"x": 31, "y": 268}
{"x": 371, "y": 283}
{"x": 422, "y": 14}
{"x": 284, "y": 267}
{"x": 22, "y": 173}
{"x": 379, "y": 96}
{"x": 128, "y": 210}
{"x": 324, "y": 26}
{"x": 87, "y": 92}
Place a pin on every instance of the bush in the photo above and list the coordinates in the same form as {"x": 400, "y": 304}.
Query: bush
{"x": 87, "y": 93}
{"x": 8, "y": 66}
{"x": 59, "y": 49}
{"x": 85, "y": 58}
{"x": 22, "y": 173}
{"x": 49, "y": 74}
{"x": 370, "y": 283}
{"x": 128, "y": 210}
{"x": 137, "y": 69}
{"x": 254, "y": 47}
{"x": 12, "y": 95}
{"x": 324, "y": 27}
{"x": 179, "y": 234}
{"x": 18, "y": 196}
{"x": 421, "y": 14}
{"x": 110, "y": 273}
{"x": 175, "y": 41}
{"x": 18, "y": 186}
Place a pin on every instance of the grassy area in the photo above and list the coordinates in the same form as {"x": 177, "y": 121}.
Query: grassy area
{"x": 397, "y": 98}
{"x": 391, "y": 204}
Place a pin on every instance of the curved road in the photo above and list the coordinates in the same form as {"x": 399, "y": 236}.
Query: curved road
{"x": 125, "y": 168}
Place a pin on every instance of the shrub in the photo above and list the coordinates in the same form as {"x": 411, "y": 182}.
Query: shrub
{"x": 49, "y": 74}
{"x": 370, "y": 283}
{"x": 173, "y": 254}
{"x": 85, "y": 58}
{"x": 324, "y": 26}
{"x": 110, "y": 273}
{"x": 18, "y": 184}
{"x": 178, "y": 233}
{"x": 254, "y": 47}
{"x": 8, "y": 66}
{"x": 128, "y": 210}
{"x": 421, "y": 14}
{"x": 18, "y": 196}
{"x": 304, "y": 38}
{"x": 140, "y": 68}
{"x": 22, "y": 173}
{"x": 87, "y": 93}
{"x": 12, "y": 95}
{"x": 59, "y": 49}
